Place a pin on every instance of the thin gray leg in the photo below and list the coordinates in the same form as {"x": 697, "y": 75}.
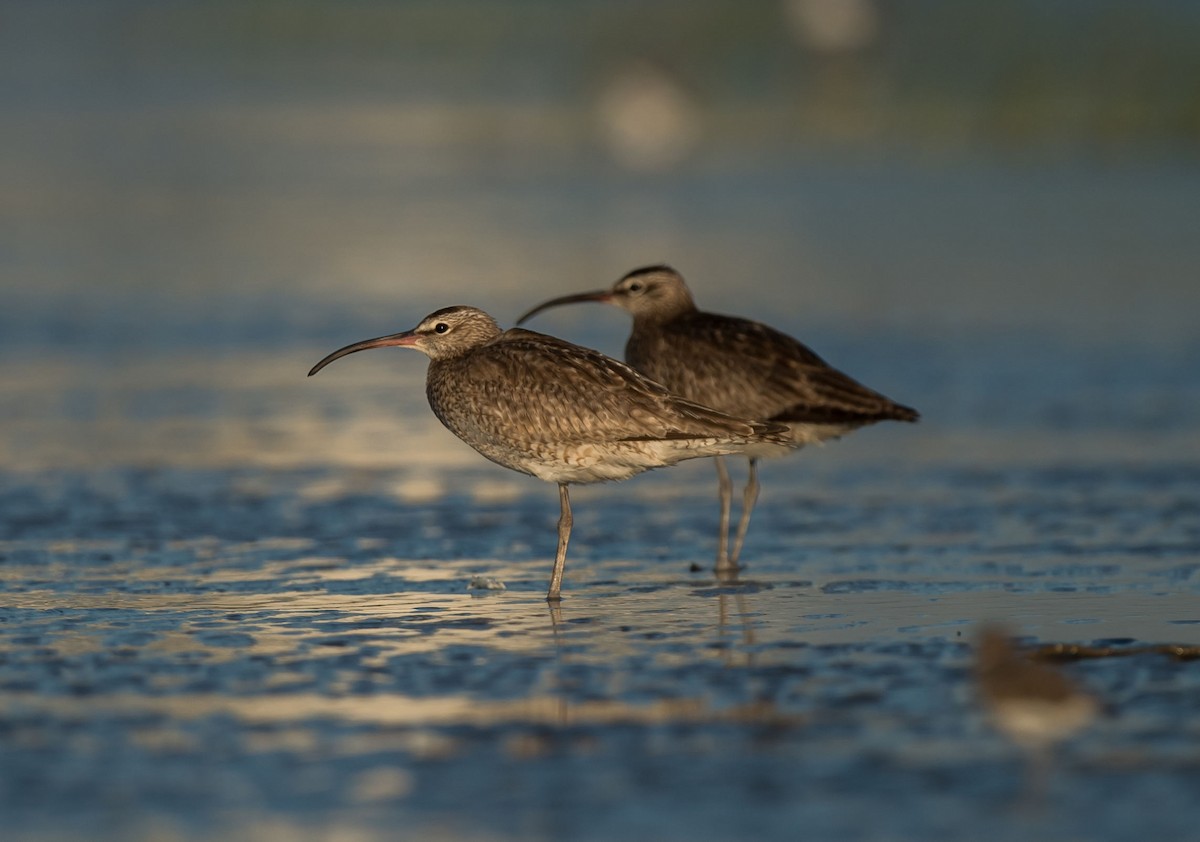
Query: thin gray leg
{"x": 749, "y": 498}
{"x": 564, "y": 535}
{"x": 726, "y": 490}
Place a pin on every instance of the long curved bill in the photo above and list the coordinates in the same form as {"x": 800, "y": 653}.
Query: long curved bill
{"x": 406, "y": 338}
{"x": 599, "y": 295}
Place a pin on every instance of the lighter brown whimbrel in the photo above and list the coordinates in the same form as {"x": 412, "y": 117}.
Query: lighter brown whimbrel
{"x": 737, "y": 366}
{"x": 559, "y": 412}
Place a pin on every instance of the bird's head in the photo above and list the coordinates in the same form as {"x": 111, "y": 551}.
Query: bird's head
{"x": 446, "y": 333}
{"x": 652, "y": 293}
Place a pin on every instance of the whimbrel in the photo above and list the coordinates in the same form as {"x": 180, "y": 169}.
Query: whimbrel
{"x": 559, "y": 412}
{"x": 737, "y": 366}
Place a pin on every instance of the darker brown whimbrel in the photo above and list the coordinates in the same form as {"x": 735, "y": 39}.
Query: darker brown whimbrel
{"x": 737, "y": 366}
{"x": 559, "y": 412}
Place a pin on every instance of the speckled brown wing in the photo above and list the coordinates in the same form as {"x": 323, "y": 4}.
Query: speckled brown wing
{"x": 744, "y": 367}
{"x": 528, "y": 386}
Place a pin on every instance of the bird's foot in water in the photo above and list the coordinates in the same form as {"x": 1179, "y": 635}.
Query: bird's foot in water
{"x": 727, "y": 570}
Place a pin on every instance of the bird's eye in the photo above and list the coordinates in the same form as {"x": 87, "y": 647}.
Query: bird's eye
{"x": 635, "y": 287}
{"x": 441, "y": 327}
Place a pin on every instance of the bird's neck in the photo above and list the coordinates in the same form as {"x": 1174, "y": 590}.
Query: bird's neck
{"x": 664, "y": 313}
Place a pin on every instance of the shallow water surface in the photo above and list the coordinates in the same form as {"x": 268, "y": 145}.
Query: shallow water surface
{"x": 171, "y": 671}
